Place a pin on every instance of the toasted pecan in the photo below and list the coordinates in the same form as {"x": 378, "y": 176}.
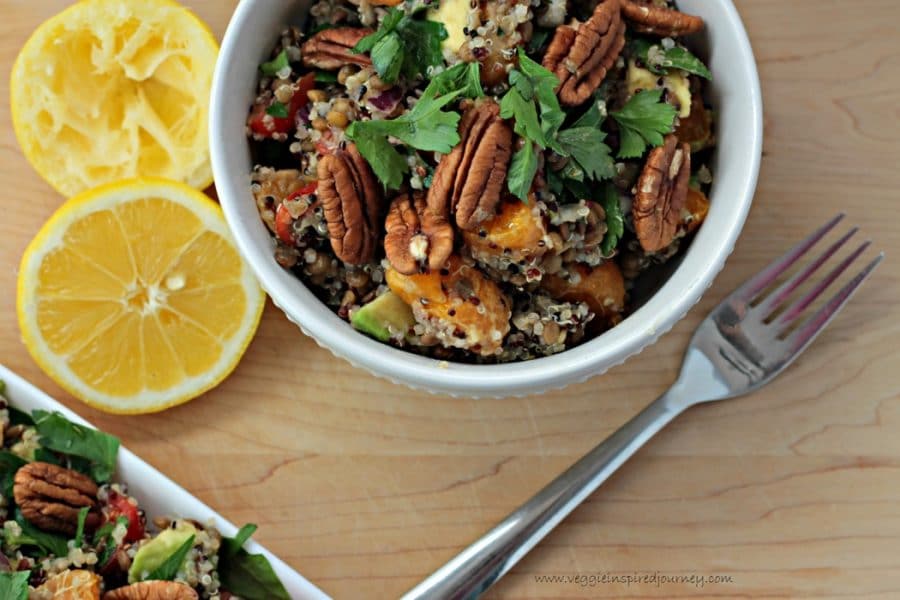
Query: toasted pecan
{"x": 153, "y": 590}
{"x": 352, "y": 201}
{"x": 415, "y": 236}
{"x": 51, "y": 497}
{"x": 330, "y": 49}
{"x": 468, "y": 182}
{"x": 580, "y": 57}
{"x": 647, "y": 17}
{"x": 661, "y": 193}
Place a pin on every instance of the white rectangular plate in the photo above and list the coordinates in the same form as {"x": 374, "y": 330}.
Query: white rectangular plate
{"x": 157, "y": 494}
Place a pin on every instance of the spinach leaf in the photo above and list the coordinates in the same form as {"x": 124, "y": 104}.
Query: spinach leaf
{"x": 169, "y": 567}
{"x": 46, "y": 543}
{"x": 9, "y": 464}
{"x": 59, "y": 434}
{"x": 19, "y": 417}
{"x": 79, "y": 532}
{"x": 249, "y": 576}
{"x": 14, "y": 586}
{"x": 274, "y": 66}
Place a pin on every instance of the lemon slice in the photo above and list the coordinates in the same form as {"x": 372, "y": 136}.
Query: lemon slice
{"x": 134, "y": 298}
{"x": 111, "y": 89}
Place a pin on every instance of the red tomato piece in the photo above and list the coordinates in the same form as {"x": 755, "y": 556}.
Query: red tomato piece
{"x": 266, "y": 125}
{"x": 121, "y": 506}
{"x": 284, "y": 225}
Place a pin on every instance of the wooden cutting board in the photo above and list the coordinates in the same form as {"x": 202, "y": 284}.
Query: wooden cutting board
{"x": 365, "y": 487}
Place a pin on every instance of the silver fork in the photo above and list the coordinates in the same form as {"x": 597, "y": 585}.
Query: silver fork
{"x": 742, "y": 345}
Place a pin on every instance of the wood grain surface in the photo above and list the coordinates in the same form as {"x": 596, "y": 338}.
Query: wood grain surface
{"x": 366, "y": 487}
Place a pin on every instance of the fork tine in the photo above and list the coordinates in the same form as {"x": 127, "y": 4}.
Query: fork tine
{"x": 777, "y": 298}
{"x": 800, "y": 305}
{"x": 815, "y": 323}
{"x": 749, "y": 290}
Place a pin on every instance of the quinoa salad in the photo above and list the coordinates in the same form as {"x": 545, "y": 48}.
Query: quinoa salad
{"x": 482, "y": 181}
{"x": 70, "y": 531}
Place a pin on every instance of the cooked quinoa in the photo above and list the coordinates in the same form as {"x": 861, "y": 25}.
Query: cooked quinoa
{"x": 549, "y": 256}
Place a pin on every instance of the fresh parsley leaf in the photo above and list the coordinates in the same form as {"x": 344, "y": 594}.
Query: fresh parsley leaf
{"x": 520, "y": 82}
{"x": 538, "y": 39}
{"x": 643, "y": 121}
{"x": 14, "y": 586}
{"x": 660, "y": 60}
{"x": 275, "y": 65}
{"x": 46, "y": 543}
{"x": 425, "y": 127}
{"x": 387, "y": 57}
{"x": 61, "y": 435}
{"x": 422, "y": 43}
{"x": 278, "y": 110}
{"x": 521, "y": 171}
{"x": 167, "y": 570}
{"x": 465, "y": 77}
{"x": 249, "y": 576}
{"x": 514, "y": 105}
{"x": 545, "y": 84}
{"x": 585, "y": 145}
{"x": 590, "y": 118}
{"x": 615, "y": 222}
{"x": 388, "y": 25}
{"x": 326, "y": 77}
{"x": 79, "y": 532}
{"x": 403, "y": 44}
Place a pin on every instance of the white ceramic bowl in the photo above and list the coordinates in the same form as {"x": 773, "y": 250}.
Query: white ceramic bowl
{"x": 735, "y": 94}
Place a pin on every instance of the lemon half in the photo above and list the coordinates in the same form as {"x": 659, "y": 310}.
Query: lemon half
{"x": 134, "y": 298}
{"x": 108, "y": 90}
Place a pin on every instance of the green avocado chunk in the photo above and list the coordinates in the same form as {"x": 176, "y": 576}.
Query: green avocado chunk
{"x": 155, "y": 552}
{"x": 385, "y": 313}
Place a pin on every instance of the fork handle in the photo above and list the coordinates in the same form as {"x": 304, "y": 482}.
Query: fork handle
{"x": 477, "y": 567}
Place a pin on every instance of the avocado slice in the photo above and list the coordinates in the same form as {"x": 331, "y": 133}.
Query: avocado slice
{"x": 382, "y": 314}
{"x": 156, "y": 551}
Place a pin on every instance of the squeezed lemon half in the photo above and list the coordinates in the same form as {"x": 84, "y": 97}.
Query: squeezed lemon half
{"x": 108, "y": 90}
{"x": 134, "y": 298}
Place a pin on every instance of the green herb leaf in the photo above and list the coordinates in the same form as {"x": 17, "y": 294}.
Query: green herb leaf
{"x": 9, "y": 464}
{"x": 249, "y": 576}
{"x": 521, "y": 171}
{"x": 545, "y": 84}
{"x": 659, "y": 60}
{"x": 463, "y": 77}
{"x": 514, "y": 105}
{"x": 272, "y": 67}
{"x": 169, "y": 567}
{"x": 425, "y": 127}
{"x": 615, "y": 222}
{"x": 14, "y": 586}
{"x": 326, "y": 77}
{"x": 538, "y": 39}
{"x": 422, "y": 45}
{"x": 643, "y": 121}
{"x": 79, "y": 531}
{"x": 19, "y": 417}
{"x": 387, "y": 57}
{"x": 520, "y": 82}
{"x": 278, "y": 110}
{"x": 59, "y": 434}
{"x": 403, "y": 44}
{"x": 590, "y": 118}
{"x": 47, "y": 543}
{"x": 585, "y": 145}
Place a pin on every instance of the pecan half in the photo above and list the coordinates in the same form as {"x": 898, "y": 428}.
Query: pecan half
{"x": 153, "y": 590}
{"x": 330, "y": 48}
{"x": 661, "y": 193}
{"x": 580, "y": 57}
{"x": 647, "y": 17}
{"x": 469, "y": 180}
{"x": 352, "y": 201}
{"x": 51, "y": 497}
{"x": 416, "y": 236}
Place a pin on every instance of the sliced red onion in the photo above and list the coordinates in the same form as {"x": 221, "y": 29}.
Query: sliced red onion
{"x": 302, "y": 117}
{"x": 387, "y": 100}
